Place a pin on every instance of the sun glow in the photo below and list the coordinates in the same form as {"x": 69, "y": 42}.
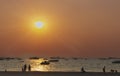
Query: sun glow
{"x": 39, "y": 24}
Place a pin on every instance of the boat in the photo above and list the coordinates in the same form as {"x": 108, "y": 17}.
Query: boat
{"x": 75, "y": 58}
{"x": 9, "y": 58}
{"x": 34, "y": 58}
{"x": 116, "y": 62}
{"x": 53, "y": 60}
{"x": 45, "y": 63}
{"x": 18, "y": 58}
{"x": 21, "y": 61}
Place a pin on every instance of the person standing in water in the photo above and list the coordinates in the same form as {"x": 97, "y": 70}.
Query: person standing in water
{"x": 82, "y": 70}
{"x": 29, "y": 67}
{"x": 104, "y": 69}
{"x": 25, "y": 67}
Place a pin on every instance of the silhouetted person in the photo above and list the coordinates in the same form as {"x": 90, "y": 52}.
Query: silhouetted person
{"x": 112, "y": 71}
{"x": 104, "y": 68}
{"x": 116, "y": 71}
{"x": 22, "y": 69}
{"x": 5, "y": 70}
{"x": 82, "y": 70}
{"x": 29, "y": 68}
{"x": 25, "y": 67}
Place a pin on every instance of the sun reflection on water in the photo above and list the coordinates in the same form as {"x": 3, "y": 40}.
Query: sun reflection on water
{"x": 36, "y": 66}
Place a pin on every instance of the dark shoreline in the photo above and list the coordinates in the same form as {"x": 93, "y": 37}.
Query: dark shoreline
{"x": 11, "y": 73}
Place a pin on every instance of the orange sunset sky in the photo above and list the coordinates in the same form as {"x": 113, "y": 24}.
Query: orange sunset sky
{"x": 82, "y": 28}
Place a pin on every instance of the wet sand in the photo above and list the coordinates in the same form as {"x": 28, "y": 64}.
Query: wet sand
{"x": 57, "y": 74}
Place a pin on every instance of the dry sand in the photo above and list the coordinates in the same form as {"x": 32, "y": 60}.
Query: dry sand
{"x": 57, "y": 74}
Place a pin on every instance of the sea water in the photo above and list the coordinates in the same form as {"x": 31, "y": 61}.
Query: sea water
{"x": 66, "y": 64}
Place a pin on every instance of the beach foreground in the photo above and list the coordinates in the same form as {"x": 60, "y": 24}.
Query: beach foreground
{"x": 57, "y": 74}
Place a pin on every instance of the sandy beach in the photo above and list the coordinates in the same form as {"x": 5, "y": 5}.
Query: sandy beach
{"x": 57, "y": 74}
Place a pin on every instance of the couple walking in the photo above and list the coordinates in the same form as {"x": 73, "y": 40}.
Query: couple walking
{"x": 24, "y": 68}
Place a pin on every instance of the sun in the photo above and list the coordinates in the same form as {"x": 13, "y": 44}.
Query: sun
{"x": 39, "y": 24}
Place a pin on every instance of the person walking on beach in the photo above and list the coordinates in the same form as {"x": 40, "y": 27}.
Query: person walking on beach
{"x": 112, "y": 71}
{"x": 82, "y": 70}
{"x": 5, "y": 70}
{"x": 25, "y": 67}
{"x": 22, "y": 69}
{"x": 116, "y": 71}
{"x": 104, "y": 68}
{"x": 29, "y": 67}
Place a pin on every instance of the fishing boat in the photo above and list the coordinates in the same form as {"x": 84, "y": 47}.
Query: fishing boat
{"x": 45, "y": 63}
{"x": 116, "y": 62}
{"x": 53, "y": 60}
{"x": 34, "y": 58}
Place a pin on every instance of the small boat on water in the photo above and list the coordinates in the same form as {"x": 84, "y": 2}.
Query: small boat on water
{"x": 53, "y": 60}
{"x": 45, "y": 63}
{"x": 21, "y": 61}
{"x": 2, "y": 58}
{"x": 75, "y": 58}
{"x": 34, "y": 58}
{"x": 116, "y": 62}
